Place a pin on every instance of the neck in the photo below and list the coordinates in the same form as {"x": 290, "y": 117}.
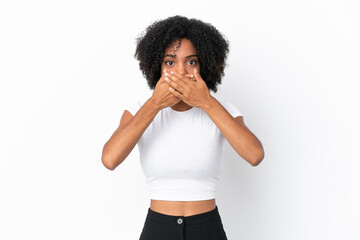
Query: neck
{"x": 181, "y": 106}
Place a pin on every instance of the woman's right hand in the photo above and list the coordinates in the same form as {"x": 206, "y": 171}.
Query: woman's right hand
{"x": 162, "y": 96}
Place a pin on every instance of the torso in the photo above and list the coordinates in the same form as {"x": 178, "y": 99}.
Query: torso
{"x": 182, "y": 208}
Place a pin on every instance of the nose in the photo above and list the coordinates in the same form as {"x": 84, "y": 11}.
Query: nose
{"x": 180, "y": 68}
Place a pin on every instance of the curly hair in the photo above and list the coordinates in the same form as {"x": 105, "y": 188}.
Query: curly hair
{"x": 211, "y": 47}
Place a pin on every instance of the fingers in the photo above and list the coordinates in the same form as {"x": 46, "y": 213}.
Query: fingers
{"x": 179, "y": 76}
{"x": 175, "y": 82}
{"x": 183, "y": 77}
{"x": 191, "y": 76}
{"x": 197, "y": 75}
{"x": 164, "y": 71}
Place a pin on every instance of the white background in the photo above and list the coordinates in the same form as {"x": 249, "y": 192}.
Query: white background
{"x": 67, "y": 73}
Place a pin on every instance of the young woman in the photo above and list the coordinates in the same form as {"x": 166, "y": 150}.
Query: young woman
{"x": 180, "y": 129}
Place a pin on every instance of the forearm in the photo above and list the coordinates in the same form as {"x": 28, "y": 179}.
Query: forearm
{"x": 243, "y": 141}
{"x": 122, "y": 142}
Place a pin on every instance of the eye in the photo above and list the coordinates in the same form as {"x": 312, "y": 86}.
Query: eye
{"x": 169, "y": 63}
{"x": 192, "y": 62}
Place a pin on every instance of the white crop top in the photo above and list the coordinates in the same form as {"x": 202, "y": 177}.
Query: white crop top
{"x": 181, "y": 153}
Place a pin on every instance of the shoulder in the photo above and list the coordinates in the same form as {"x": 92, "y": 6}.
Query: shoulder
{"x": 234, "y": 112}
{"x": 231, "y": 107}
{"x": 132, "y": 105}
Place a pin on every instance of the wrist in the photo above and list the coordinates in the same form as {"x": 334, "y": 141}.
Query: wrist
{"x": 154, "y": 104}
{"x": 209, "y": 103}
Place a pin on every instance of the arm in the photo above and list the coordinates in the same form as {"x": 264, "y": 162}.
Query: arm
{"x": 124, "y": 139}
{"x": 197, "y": 94}
{"x": 243, "y": 141}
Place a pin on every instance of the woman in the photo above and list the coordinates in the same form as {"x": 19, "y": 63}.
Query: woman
{"x": 180, "y": 129}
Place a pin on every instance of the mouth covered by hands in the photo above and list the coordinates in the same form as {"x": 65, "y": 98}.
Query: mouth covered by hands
{"x": 190, "y": 88}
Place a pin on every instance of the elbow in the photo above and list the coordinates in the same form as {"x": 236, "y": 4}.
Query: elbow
{"x": 255, "y": 163}
{"x": 108, "y": 160}
{"x": 107, "y": 164}
{"x": 257, "y": 159}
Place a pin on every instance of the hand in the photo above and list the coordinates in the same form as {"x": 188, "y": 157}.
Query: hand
{"x": 194, "y": 92}
{"x": 161, "y": 96}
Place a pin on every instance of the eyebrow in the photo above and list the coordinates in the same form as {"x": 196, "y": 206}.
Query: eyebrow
{"x": 174, "y": 56}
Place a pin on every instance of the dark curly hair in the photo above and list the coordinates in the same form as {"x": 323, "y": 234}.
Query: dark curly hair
{"x": 212, "y": 48}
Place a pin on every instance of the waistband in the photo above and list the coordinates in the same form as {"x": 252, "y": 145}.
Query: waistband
{"x": 188, "y": 220}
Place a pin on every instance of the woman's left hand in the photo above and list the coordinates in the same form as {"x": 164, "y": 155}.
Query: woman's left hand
{"x": 194, "y": 92}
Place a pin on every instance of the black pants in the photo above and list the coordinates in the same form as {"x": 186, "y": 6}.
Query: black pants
{"x": 203, "y": 226}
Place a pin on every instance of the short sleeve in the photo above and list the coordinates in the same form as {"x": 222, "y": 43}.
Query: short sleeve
{"x": 133, "y": 106}
{"x": 233, "y": 110}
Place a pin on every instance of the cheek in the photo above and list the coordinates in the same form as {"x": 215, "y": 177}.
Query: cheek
{"x": 165, "y": 66}
{"x": 197, "y": 67}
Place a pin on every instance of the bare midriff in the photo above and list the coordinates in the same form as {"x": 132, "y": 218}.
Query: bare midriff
{"x": 182, "y": 208}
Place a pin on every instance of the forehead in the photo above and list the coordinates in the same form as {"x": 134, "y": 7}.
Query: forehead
{"x": 182, "y": 46}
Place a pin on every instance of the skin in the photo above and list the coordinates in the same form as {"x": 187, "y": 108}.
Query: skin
{"x": 181, "y": 58}
{"x": 181, "y": 87}
{"x": 182, "y": 62}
